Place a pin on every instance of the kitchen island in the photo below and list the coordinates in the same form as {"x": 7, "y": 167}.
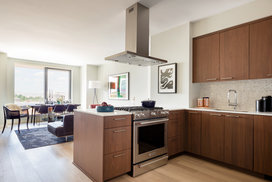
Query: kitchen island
{"x": 102, "y": 143}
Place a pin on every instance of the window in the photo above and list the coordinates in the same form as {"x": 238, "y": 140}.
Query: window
{"x": 29, "y": 85}
{"x": 34, "y": 85}
{"x": 58, "y": 84}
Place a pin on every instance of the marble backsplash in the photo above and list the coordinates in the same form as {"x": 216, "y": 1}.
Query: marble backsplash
{"x": 248, "y": 91}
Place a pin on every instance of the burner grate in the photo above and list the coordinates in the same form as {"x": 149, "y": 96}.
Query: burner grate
{"x": 136, "y": 108}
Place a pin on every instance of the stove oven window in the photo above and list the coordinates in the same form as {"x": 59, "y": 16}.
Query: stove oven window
{"x": 150, "y": 137}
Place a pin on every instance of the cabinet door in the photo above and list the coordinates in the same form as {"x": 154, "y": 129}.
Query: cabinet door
{"x": 194, "y": 131}
{"x": 206, "y": 58}
{"x": 176, "y": 129}
{"x": 263, "y": 144}
{"x": 212, "y": 136}
{"x": 261, "y": 49}
{"x": 234, "y": 51}
{"x": 239, "y": 140}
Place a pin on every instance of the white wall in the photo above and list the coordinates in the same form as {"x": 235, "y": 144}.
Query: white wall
{"x": 174, "y": 46}
{"x": 88, "y": 73}
{"x": 3, "y": 85}
{"x": 250, "y": 90}
{"x": 139, "y": 76}
{"x": 248, "y": 12}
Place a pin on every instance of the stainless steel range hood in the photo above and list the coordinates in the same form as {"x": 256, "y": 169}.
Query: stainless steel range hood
{"x": 137, "y": 39}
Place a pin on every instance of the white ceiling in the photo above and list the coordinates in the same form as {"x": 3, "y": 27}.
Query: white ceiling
{"x": 78, "y": 32}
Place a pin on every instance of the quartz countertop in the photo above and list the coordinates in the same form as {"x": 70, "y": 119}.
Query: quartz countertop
{"x": 94, "y": 112}
{"x": 222, "y": 111}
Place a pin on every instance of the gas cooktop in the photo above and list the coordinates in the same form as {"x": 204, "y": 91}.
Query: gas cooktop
{"x": 144, "y": 113}
{"x": 136, "y": 108}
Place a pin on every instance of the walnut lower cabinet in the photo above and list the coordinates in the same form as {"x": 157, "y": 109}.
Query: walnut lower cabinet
{"x": 225, "y": 137}
{"x": 263, "y": 144}
{"x": 213, "y": 135}
{"x": 239, "y": 140}
{"x": 176, "y": 132}
{"x": 102, "y": 145}
{"x": 193, "y": 122}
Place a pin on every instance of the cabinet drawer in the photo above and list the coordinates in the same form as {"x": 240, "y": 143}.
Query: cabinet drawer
{"x": 116, "y": 164}
{"x": 174, "y": 145}
{"x": 117, "y": 139}
{"x": 117, "y": 121}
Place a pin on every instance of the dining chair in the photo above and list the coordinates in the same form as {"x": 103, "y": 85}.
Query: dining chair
{"x": 11, "y": 113}
{"x": 71, "y": 108}
{"x": 42, "y": 109}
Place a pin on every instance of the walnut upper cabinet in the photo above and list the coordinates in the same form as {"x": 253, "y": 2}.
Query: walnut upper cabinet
{"x": 234, "y": 51}
{"x": 206, "y": 58}
{"x": 261, "y": 49}
{"x": 237, "y": 53}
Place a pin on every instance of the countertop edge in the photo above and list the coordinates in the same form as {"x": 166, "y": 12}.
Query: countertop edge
{"x": 222, "y": 111}
{"x": 103, "y": 114}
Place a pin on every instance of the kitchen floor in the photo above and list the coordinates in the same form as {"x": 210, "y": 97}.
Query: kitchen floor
{"x": 54, "y": 164}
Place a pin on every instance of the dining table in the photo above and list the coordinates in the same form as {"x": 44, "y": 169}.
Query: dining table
{"x": 35, "y": 107}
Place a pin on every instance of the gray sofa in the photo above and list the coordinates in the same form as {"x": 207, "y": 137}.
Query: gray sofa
{"x": 62, "y": 129}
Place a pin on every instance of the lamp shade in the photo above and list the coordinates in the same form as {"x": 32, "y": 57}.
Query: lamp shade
{"x": 94, "y": 84}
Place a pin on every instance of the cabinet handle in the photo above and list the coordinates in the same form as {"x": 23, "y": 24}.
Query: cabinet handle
{"x": 227, "y": 78}
{"x": 119, "y": 131}
{"x": 117, "y": 119}
{"x": 219, "y": 115}
{"x": 119, "y": 155}
{"x": 269, "y": 74}
{"x": 211, "y": 79}
{"x": 232, "y": 116}
{"x": 152, "y": 162}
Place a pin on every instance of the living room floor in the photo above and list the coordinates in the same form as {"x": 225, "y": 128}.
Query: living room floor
{"x": 54, "y": 163}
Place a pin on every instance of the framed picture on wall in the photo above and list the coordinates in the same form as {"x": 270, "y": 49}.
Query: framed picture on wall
{"x": 119, "y": 86}
{"x": 167, "y": 78}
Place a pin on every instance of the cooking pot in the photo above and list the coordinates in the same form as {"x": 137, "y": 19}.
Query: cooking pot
{"x": 148, "y": 103}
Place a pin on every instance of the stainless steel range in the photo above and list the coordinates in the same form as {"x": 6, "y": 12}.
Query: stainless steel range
{"x": 149, "y": 138}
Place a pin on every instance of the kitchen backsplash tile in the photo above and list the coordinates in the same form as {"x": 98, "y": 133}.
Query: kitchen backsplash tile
{"x": 248, "y": 91}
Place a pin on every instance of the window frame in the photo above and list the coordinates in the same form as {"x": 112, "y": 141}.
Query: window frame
{"x": 46, "y": 80}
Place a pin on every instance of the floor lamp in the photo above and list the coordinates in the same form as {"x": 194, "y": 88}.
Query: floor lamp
{"x": 94, "y": 85}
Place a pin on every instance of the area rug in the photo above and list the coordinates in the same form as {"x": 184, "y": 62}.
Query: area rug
{"x": 39, "y": 137}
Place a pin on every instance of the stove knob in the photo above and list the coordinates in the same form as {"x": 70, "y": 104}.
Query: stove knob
{"x": 137, "y": 115}
{"x": 165, "y": 112}
{"x": 153, "y": 113}
{"x": 142, "y": 114}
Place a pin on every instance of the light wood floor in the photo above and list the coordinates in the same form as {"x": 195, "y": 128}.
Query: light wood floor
{"x": 54, "y": 164}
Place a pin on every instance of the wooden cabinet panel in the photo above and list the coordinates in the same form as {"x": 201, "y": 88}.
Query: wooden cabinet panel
{"x": 212, "y": 135}
{"x": 206, "y": 58}
{"x": 263, "y": 144}
{"x": 261, "y": 49}
{"x": 174, "y": 128}
{"x": 234, "y": 53}
{"x": 117, "y": 139}
{"x": 117, "y": 164}
{"x": 117, "y": 121}
{"x": 174, "y": 145}
{"x": 239, "y": 140}
{"x": 194, "y": 132}
{"x": 176, "y": 132}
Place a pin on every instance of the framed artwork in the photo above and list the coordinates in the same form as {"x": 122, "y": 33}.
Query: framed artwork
{"x": 119, "y": 86}
{"x": 167, "y": 78}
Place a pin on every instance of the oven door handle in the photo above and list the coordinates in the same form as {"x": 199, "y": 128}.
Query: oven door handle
{"x": 152, "y": 122}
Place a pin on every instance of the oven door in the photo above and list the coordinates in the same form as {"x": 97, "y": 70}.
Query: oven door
{"x": 149, "y": 139}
